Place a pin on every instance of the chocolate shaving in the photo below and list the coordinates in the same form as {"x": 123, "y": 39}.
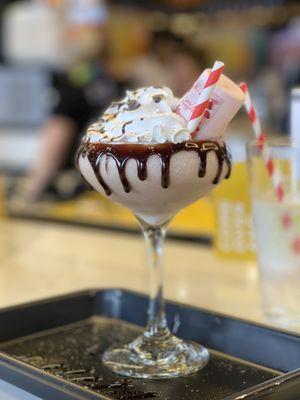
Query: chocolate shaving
{"x": 157, "y": 98}
{"x": 51, "y": 366}
{"x": 75, "y": 372}
{"x": 118, "y": 104}
{"x": 109, "y": 117}
{"x": 133, "y": 105}
{"x": 95, "y": 349}
{"x": 138, "y": 395}
{"x": 84, "y": 379}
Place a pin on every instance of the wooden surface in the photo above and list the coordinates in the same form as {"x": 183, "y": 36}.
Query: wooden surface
{"x": 39, "y": 260}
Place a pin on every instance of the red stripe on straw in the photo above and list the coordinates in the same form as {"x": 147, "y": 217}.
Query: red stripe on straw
{"x": 296, "y": 245}
{"x": 280, "y": 193}
{"x": 252, "y": 115}
{"x": 243, "y": 86}
{"x": 261, "y": 140}
{"x": 260, "y": 136}
{"x": 214, "y": 75}
{"x": 199, "y": 109}
{"x": 286, "y": 220}
{"x": 270, "y": 167}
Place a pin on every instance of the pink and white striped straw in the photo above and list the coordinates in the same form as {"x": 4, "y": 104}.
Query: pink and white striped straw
{"x": 205, "y": 96}
{"x": 265, "y": 151}
{"x": 274, "y": 173}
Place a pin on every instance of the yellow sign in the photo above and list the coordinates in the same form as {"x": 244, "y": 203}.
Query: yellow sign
{"x": 234, "y": 234}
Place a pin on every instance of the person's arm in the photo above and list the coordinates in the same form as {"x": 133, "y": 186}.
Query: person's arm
{"x": 56, "y": 140}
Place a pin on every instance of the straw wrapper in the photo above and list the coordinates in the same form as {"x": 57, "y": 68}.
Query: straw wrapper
{"x": 202, "y": 97}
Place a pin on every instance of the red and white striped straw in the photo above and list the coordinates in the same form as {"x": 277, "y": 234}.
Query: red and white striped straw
{"x": 286, "y": 218}
{"x": 205, "y": 96}
{"x": 265, "y": 151}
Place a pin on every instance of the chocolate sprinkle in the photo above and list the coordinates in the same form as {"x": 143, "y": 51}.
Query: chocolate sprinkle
{"x": 157, "y": 98}
{"x": 133, "y": 105}
{"x": 84, "y": 379}
{"x": 75, "y": 372}
{"x": 51, "y": 366}
{"x": 93, "y": 350}
{"x": 118, "y": 104}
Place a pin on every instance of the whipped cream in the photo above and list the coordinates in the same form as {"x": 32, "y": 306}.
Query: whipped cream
{"x": 144, "y": 115}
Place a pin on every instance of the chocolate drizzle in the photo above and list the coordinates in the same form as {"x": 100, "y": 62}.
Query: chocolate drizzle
{"x": 122, "y": 152}
{"x": 124, "y": 126}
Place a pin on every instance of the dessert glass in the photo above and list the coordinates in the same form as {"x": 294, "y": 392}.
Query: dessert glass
{"x": 155, "y": 181}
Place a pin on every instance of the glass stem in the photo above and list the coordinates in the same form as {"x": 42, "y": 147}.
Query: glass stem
{"x": 157, "y": 322}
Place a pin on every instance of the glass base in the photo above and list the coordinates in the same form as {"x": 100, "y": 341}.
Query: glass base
{"x": 156, "y": 357}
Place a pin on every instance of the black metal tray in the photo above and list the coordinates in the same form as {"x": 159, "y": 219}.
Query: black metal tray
{"x": 52, "y": 349}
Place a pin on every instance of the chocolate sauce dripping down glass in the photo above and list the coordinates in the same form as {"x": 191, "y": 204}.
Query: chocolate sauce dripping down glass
{"x": 90, "y": 187}
{"x": 87, "y": 184}
{"x": 122, "y": 152}
{"x": 88, "y": 149}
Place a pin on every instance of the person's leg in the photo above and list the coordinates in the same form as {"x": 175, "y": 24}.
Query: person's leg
{"x": 56, "y": 141}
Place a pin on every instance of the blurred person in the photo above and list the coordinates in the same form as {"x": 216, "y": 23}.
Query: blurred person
{"x": 78, "y": 95}
{"x": 285, "y": 56}
{"x": 170, "y": 62}
{"x": 285, "y": 52}
{"x": 185, "y": 67}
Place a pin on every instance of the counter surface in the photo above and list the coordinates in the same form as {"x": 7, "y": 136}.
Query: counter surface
{"x": 39, "y": 260}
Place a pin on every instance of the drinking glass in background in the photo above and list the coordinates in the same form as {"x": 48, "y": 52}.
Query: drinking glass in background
{"x": 279, "y": 262}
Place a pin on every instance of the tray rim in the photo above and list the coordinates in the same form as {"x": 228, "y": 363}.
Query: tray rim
{"x": 265, "y": 388}
{"x": 35, "y": 374}
{"x": 93, "y": 291}
{"x": 77, "y": 392}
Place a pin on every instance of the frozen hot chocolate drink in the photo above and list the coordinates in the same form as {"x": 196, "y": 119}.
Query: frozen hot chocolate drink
{"x": 142, "y": 155}
{"x": 156, "y": 154}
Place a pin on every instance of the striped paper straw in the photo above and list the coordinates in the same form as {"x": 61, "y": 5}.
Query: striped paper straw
{"x": 205, "y": 96}
{"x": 265, "y": 151}
{"x": 286, "y": 219}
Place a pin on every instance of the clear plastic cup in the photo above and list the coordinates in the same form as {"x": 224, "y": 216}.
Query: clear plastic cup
{"x": 278, "y": 256}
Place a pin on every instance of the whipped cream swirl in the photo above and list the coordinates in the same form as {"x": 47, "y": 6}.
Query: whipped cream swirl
{"x": 144, "y": 115}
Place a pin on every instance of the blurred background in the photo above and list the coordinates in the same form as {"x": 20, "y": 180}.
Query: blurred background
{"x": 64, "y": 61}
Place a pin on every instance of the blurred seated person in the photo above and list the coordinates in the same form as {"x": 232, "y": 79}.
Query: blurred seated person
{"x": 170, "y": 62}
{"x": 79, "y": 95}
{"x": 285, "y": 57}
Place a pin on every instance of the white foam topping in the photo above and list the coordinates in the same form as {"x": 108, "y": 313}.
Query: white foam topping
{"x": 144, "y": 115}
